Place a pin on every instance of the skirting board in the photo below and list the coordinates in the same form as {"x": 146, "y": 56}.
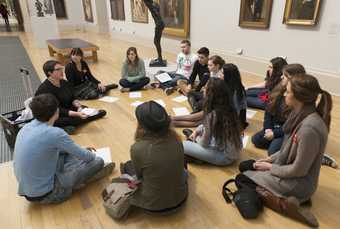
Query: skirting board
{"x": 255, "y": 66}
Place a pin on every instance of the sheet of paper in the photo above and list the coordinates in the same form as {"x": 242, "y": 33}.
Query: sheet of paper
{"x": 136, "y": 94}
{"x": 89, "y": 111}
{"x": 108, "y": 99}
{"x": 164, "y": 77}
{"x": 105, "y": 154}
{"x": 245, "y": 141}
{"x": 160, "y": 102}
{"x": 137, "y": 103}
{"x": 180, "y": 99}
{"x": 180, "y": 111}
{"x": 251, "y": 113}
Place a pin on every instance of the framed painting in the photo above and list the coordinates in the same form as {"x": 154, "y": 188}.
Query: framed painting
{"x": 87, "y": 6}
{"x": 60, "y": 9}
{"x": 117, "y": 10}
{"x": 139, "y": 11}
{"x": 302, "y": 12}
{"x": 176, "y": 16}
{"x": 255, "y": 13}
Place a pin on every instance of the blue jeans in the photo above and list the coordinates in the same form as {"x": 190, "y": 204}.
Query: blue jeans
{"x": 272, "y": 146}
{"x": 253, "y": 99}
{"x": 175, "y": 77}
{"x": 208, "y": 154}
{"x": 71, "y": 173}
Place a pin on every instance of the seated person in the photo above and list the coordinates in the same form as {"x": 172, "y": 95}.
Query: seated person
{"x": 70, "y": 114}
{"x": 185, "y": 63}
{"x": 271, "y": 136}
{"x": 200, "y": 69}
{"x": 218, "y": 140}
{"x": 290, "y": 177}
{"x": 195, "y": 98}
{"x": 84, "y": 84}
{"x": 57, "y": 166}
{"x": 158, "y": 162}
{"x": 257, "y": 95}
{"x": 133, "y": 72}
{"x": 232, "y": 77}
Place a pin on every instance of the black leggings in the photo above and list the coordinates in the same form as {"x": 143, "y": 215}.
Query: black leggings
{"x": 76, "y": 121}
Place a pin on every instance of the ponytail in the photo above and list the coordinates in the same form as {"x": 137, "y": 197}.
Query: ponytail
{"x": 324, "y": 107}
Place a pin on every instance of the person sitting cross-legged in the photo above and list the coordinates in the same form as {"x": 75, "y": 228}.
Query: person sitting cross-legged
{"x": 48, "y": 165}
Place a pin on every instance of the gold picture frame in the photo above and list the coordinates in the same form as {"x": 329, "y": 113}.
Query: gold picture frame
{"x": 176, "y": 23}
{"x": 302, "y": 12}
{"x": 139, "y": 11}
{"x": 255, "y": 13}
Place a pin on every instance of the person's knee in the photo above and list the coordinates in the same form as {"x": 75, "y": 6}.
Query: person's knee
{"x": 258, "y": 140}
{"x": 123, "y": 82}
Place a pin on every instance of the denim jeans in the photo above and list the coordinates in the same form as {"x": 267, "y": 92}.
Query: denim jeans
{"x": 175, "y": 77}
{"x": 253, "y": 99}
{"x": 272, "y": 146}
{"x": 209, "y": 154}
{"x": 71, "y": 173}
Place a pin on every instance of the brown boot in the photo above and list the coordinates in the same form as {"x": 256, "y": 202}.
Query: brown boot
{"x": 183, "y": 87}
{"x": 287, "y": 206}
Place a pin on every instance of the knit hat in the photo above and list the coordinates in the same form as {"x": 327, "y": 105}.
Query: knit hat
{"x": 152, "y": 116}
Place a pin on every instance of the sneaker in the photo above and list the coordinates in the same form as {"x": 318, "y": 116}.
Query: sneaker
{"x": 69, "y": 129}
{"x": 170, "y": 90}
{"x": 124, "y": 89}
{"x": 105, "y": 171}
{"x": 329, "y": 161}
{"x": 187, "y": 133}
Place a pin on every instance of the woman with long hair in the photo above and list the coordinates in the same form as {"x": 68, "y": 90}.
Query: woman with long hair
{"x": 133, "y": 72}
{"x": 290, "y": 176}
{"x": 84, "y": 84}
{"x": 157, "y": 161}
{"x": 272, "y": 135}
{"x": 218, "y": 140}
{"x": 257, "y": 95}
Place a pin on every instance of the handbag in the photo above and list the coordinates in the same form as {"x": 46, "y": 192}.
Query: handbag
{"x": 247, "y": 200}
{"x": 117, "y": 196}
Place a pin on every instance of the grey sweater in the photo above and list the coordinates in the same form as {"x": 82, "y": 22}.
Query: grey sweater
{"x": 133, "y": 74}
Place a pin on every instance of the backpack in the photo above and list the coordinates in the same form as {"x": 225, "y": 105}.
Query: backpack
{"x": 247, "y": 200}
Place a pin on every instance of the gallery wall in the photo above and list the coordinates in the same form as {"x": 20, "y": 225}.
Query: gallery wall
{"x": 215, "y": 24}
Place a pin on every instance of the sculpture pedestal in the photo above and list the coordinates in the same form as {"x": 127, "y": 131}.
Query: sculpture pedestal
{"x": 158, "y": 63}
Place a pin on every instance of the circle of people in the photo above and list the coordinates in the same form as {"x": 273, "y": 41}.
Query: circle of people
{"x": 49, "y": 166}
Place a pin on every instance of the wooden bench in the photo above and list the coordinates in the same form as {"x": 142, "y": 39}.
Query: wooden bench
{"x": 63, "y": 47}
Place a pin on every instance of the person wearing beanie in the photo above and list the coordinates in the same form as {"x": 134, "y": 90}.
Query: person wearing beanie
{"x": 157, "y": 158}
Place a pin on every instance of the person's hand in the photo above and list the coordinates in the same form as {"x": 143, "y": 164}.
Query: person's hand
{"x": 91, "y": 149}
{"x": 76, "y": 103}
{"x": 82, "y": 115}
{"x": 101, "y": 87}
{"x": 262, "y": 166}
{"x": 193, "y": 136}
{"x": 269, "y": 134}
{"x": 267, "y": 159}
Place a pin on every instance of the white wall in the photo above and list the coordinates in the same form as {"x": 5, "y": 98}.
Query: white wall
{"x": 215, "y": 24}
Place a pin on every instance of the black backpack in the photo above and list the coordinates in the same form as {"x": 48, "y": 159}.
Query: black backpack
{"x": 247, "y": 200}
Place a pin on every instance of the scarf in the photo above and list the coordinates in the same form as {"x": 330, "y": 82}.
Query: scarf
{"x": 296, "y": 117}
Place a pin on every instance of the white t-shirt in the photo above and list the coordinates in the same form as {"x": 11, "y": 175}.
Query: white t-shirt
{"x": 185, "y": 64}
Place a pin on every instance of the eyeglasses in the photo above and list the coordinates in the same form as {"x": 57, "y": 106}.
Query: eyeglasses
{"x": 59, "y": 69}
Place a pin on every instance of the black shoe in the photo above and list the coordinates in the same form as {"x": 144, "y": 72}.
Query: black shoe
{"x": 101, "y": 113}
{"x": 111, "y": 86}
{"x": 187, "y": 133}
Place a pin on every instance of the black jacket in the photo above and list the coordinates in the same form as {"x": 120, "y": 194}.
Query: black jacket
{"x": 76, "y": 77}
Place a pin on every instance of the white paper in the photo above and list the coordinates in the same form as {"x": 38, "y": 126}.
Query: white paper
{"x": 89, "y": 111}
{"x": 164, "y": 77}
{"x": 108, "y": 99}
{"x": 180, "y": 111}
{"x": 136, "y": 104}
{"x": 251, "y": 113}
{"x": 180, "y": 99}
{"x": 105, "y": 154}
{"x": 245, "y": 141}
{"x": 160, "y": 102}
{"x": 136, "y": 94}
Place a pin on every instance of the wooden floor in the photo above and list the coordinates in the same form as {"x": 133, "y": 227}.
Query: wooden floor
{"x": 205, "y": 207}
